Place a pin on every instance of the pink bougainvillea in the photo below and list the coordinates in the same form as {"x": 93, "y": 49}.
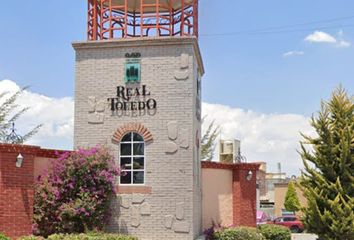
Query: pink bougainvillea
{"x": 74, "y": 196}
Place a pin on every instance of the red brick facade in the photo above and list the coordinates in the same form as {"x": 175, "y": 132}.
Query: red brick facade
{"x": 16, "y": 188}
{"x": 243, "y": 191}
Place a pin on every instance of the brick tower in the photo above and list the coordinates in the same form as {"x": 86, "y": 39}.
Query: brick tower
{"x": 137, "y": 90}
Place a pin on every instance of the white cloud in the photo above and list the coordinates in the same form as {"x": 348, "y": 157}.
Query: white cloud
{"x": 319, "y": 36}
{"x": 264, "y": 137}
{"x": 344, "y": 44}
{"x": 293, "y": 53}
{"x": 56, "y": 115}
{"x": 271, "y": 138}
{"x": 323, "y": 37}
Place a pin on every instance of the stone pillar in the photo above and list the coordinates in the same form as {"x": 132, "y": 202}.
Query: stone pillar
{"x": 243, "y": 201}
{"x": 244, "y": 197}
{"x": 163, "y": 107}
{"x": 16, "y": 190}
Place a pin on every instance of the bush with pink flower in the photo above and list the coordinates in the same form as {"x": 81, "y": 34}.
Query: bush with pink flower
{"x": 74, "y": 196}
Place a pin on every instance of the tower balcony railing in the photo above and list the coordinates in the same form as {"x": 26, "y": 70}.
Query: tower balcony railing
{"x": 110, "y": 19}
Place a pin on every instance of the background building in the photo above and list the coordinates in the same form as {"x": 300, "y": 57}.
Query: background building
{"x": 280, "y": 190}
{"x": 266, "y": 183}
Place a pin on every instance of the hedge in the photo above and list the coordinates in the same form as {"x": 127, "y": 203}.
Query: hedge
{"x": 87, "y": 236}
{"x": 240, "y": 233}
{"x": 274, "y": 232}
{"x": 3, "y": 237}
{"x": 31, "y": 238}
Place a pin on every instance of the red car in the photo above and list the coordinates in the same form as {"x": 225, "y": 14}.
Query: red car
{"x": 292, "y": 222}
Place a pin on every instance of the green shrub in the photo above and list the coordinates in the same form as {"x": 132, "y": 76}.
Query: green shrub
{"x": 275, "y": 232}
{"x": 3, "y": 237}
{"x": 83, "y": 236}
{"x": 90, "y": 236}
{"x": 240, "y": 233}
{"x": 31, "y": 238}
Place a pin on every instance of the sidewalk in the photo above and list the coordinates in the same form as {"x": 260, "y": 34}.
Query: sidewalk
{"x": 303, "y": 236}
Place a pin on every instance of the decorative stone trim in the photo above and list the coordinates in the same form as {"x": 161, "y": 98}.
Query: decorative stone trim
{"x": 150, "y": 42}
{"x": 32, "y": 150}
{"x": 133, "y": 189}
{"x": 132, "y": 127}
{"x": 231, "y": 166}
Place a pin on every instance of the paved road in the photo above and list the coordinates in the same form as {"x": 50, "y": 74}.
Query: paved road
{"x": 303, "y": 236}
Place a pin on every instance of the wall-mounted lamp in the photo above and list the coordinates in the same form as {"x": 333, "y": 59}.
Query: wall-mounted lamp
{"x": 19, "y": 160}
{"x": 249, "y": 175}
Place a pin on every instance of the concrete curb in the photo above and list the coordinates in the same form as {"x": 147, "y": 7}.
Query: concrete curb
{"x": 303, "y": 236}
{"x": 201, "y": 238}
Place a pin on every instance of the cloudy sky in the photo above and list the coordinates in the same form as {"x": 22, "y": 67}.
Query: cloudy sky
{"x": 268, "y": 65}
{"x": 265, "y": 137}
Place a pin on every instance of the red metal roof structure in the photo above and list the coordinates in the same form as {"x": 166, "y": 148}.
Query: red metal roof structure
{"x": 110, "y": 19}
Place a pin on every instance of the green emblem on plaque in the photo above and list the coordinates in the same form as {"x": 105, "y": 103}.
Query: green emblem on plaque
{"x": 132, "y": 71}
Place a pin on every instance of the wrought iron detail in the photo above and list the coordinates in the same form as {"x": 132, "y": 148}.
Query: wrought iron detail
{"x": 13, "y": 137}
{"x": 240, "y": 159}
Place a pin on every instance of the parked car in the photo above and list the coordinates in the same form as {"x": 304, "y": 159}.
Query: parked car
{"x": 261, "y": 217}
{"x": 292, "y": 222}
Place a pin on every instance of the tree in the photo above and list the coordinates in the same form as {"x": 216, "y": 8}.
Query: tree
{"x": 208, "y": 141}
{"x": 9, "y": 113}
{"x": 292, "y": 202}
{"x": 328, "y": 181}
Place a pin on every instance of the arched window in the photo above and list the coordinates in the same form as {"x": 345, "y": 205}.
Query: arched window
{"x": 132, "y": 159}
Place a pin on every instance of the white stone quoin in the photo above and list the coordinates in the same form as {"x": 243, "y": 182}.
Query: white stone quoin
{"x": 168, "y": 205}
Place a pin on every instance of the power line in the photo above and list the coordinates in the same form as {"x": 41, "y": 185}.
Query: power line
{"x": 286, "y": 28}
{"x": 307, "y": 29}
{"x": 275, "y": 32}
